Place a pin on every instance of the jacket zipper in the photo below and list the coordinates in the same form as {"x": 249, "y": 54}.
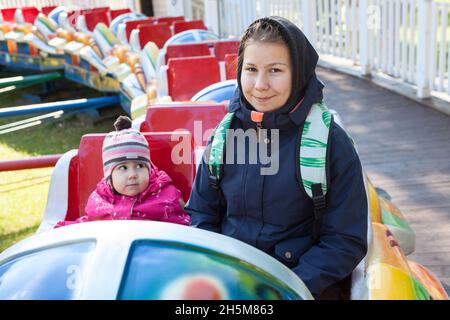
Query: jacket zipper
{"x": 258, "y": 131}
{"x": 132, "y": 206}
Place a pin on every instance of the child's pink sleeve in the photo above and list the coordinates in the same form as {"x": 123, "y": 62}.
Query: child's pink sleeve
{"x": 98, "y": 208}
{"x": 67, "y": 222}
{"x": 178, "y": 215}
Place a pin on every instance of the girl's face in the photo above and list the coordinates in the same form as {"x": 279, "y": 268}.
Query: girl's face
{"x": 130, "y": 178}
{"x": 266, "y": 76}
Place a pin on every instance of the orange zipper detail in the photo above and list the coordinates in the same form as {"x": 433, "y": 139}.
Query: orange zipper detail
{"x": 257, "y": 117}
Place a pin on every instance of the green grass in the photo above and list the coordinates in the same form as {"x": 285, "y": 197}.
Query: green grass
{"x": 23, "y": 194}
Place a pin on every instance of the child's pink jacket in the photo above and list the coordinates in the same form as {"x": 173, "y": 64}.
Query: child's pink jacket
{"x": 158, "y": 202}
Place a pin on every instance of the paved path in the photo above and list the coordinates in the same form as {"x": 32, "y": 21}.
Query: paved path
{"x": 405, "y": 149}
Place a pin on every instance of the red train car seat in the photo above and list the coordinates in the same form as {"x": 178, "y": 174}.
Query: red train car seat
{"x": 133, "y": 24}
{"x": 170, "y": 20}
{"x": 46, "y": 10}
{"x": 180, "y": 26}
{"x": 115, "y": 13}
{"x": 186, "y": 50}
{"x": 96, "y": 16}
{"x": 158, "y": 33}
{"x": 29, "y": 14}
{"x": 87, "y": 171}
{"x": 8, "y": 14}
{"x": 222, "y": 48}
{"x": 231, "y": 65}
{"x": 195, "y": 117}
{"x": 187, "y": 76}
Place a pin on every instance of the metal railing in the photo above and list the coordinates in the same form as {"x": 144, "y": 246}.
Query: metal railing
{"x": 30, "y": 163}
{"x": 440, "y": 47}
{"x": 198, "y": 10}
{"x": 408, "y": 40}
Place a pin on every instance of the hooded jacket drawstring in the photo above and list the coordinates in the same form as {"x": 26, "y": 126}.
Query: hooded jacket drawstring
{"x": 257, "y": 117}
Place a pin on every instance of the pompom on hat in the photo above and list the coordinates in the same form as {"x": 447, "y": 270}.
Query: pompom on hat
{"x": 124, "y": 144}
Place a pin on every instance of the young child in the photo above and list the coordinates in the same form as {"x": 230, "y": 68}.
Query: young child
{"x": 132, "y": 186}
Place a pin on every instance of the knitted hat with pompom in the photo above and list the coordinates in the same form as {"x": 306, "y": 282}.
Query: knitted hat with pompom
{"x": 124, "y": 144}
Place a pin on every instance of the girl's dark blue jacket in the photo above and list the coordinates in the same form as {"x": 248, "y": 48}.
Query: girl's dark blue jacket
{"x": 273, "y": 212}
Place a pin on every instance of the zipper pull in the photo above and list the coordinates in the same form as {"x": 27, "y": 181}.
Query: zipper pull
{"x": 258, "y": 131}
{"x": 257, "y": 117}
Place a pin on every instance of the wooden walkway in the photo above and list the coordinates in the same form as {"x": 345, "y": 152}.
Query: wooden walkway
{"x": 405, "y": 149}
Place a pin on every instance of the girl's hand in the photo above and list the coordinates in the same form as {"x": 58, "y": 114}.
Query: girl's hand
{"x": 181, "y": 202}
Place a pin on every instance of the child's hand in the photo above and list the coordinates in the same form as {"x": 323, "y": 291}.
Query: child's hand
{"x": 181, "y": 202}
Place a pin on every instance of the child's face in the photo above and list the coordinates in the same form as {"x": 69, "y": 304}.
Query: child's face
{"x": 266, "y": 76}
{"x": 130, "y": 178}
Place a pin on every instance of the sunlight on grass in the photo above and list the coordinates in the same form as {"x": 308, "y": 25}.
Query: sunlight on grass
{"x": 22, "y": 199}
{"x": 23, "y": 194}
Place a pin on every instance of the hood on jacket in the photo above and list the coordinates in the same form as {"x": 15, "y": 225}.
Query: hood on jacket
{"x": 305, "y": 85}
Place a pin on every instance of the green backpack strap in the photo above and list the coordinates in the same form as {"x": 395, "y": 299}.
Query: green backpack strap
{"x": 313, "y": 160}
{"x": 312, "y": 157}
{"x": 215, "y": 162}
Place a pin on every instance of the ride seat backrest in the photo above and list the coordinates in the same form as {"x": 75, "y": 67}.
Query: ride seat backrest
{"x": 89, "y": 170}
{"x": 115, "y": 13}
{"x": 231, "y": 60}
{"x": 187, "y": 76}
{"x": 173, "y": 116}
{"x": 132, "y": 24}
{"x": 170, "y": 20}
{"x": 180, "y": 26}
{"x": 96, "y": 9}
{"x": 158, "y": 33}
{"x": 29, "y": 14}
{"x": 46, "y": 10}
{"x": 96, "y": 16}
{"x": 222, "y": 48}
{"x": 187, "y": 50}
{"x": 8, "y": 14}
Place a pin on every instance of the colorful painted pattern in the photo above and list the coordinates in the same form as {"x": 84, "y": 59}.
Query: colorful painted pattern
{"x": 150, "y": 55}
{"x": 389, "y": 276}
{"x": 45, "y": 25}
{"x": 195, "y": 273}
{"x": 428, "y": 281}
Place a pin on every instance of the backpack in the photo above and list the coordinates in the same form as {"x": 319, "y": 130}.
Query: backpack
{"x": 312, "y": 157}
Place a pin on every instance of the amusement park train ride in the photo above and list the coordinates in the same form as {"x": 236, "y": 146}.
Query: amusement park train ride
{"x": 146, "y": 64}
